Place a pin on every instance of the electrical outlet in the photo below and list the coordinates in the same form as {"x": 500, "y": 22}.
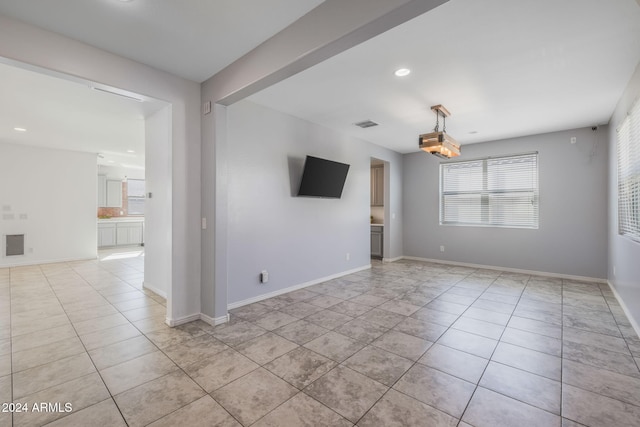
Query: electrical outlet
{"x": 264, "y": 276}
{"x": 441, "y": 248}
{"x": 348, "y": 256}
{"x": 614, "y": 271}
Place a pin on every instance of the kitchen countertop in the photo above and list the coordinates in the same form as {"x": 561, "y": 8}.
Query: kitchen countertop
{"x": 377, "y": 225}
{"x": 122, "y": 219}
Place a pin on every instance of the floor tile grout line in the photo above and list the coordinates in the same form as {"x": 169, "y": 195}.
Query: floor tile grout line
{"x": 620, "y": 330}
{"x": 187, "y": 375}
{"x": 92, "y": 362}
{"x": 506, "y": 395}
{"x": 477, "y": 385}
{"x": 416, "y": 363}
{"x": 112, "y": 397}
{"x": 85, "y": 350}
{"x": 476, "y": 299}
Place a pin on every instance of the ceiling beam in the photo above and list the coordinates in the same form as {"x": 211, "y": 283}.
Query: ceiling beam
{"x": 329, "y": 29}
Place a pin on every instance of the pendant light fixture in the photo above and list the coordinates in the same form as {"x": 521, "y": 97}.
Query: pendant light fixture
{"x": 439, "y": 143}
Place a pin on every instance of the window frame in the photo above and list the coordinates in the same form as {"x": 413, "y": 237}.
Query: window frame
{"x": 628, "y": 174}
{"x": 136, "y": 198}
{"x": 485, "y": 194}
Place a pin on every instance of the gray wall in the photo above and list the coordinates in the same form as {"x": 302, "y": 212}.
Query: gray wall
{"x": 572, "y": 237}
{"x": 624, "y": 254}
{"x": 296, "y": 239}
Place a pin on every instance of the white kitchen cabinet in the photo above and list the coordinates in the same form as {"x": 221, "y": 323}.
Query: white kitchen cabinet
{"x": 129, "y": 233}
{"x": 106, "y": 234}
{"x": 114, "y": 193}
{"x": 120, "y": 233}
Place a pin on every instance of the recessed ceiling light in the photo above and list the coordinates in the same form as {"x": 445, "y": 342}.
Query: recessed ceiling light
{"x": 20, "y": 129}
{"x": 130, "y": 151}
{"x": 401, "y": 72}
{"x": 111, "y": 161}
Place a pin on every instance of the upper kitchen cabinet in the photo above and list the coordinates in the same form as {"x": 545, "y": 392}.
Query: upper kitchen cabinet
{"x": 114, "y": 193}
{"x": 109, "y": 192}
{"x": 377, "y": 185}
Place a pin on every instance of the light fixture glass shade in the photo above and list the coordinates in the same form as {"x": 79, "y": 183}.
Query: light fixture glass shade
{"x": 439, "y": 144}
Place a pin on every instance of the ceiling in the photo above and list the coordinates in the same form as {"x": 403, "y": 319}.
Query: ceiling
{"x": 189, "y": 38}
{"x": 503, "y": 68}
{"x": 64, "y": 114}
{"x": 193, "y": 39}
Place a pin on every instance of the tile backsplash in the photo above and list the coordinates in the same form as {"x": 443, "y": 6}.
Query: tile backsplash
{"x": 115, "y": 212}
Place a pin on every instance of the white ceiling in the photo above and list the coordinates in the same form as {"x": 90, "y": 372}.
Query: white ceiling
{"x": 503, "y": 68}
{"x": 190, "y": 38}
{"x": 193, "y": 39}
{"x": 63, "y": 114}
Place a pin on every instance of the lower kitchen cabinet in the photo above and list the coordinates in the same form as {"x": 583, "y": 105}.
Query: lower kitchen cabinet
{"x": 129, "y": 233}
{"x": 376, "y": 241}
{"x": 106, "y": 234}
{"x": 123, "y": 233}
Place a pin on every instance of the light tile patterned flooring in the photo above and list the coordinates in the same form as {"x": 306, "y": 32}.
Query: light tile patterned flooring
{"x": 403, "y": 344}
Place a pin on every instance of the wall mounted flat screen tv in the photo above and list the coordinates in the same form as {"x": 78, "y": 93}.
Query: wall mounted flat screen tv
{"x": 323, "y": 178}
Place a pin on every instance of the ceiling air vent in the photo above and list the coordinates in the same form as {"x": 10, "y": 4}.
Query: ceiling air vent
{"x": 366, "y": 124}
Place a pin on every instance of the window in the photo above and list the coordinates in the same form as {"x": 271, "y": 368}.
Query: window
{"x": 495, "y": 192}
{"x": 135, "y": 196}
{"x": 628, "y": 148}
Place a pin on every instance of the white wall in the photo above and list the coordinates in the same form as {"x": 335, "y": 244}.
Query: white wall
{"x": 571, "y": 239}
{"x": 56, "y": 190}
{"x": 297, "y": 239}
{"x": 27, "y": 44}
{"x": 157, "y": 219}
{"x": 624, "y": 254}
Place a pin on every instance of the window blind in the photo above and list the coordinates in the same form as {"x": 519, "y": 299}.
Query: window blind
{"x": 135, "y": 196}
{"x": 495, "y": 191}
{"x": 628, "y": 151}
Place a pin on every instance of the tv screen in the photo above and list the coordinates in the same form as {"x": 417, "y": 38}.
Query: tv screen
{"x": 323, "y": 178}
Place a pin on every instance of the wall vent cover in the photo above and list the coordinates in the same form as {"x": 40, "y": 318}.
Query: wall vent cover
{"x": 15, "y": 244}
{"x": 366, "y": 124}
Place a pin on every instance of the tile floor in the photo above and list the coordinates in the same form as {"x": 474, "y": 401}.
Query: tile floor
{"x": 403, "y": 344}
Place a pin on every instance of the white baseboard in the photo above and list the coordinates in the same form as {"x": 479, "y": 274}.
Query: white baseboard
{"x": 398, "y": 258}
{"x": 28, "y": 262}
{"x": 214, "y": 321}
{"x": 511, "y": 270}
{"x": 182, "y": 320}
{"x": 294, "y": 288}
{"x": 163, "y": 294}
{"x": 199, "y": 316}
{"x": 634, "y": 324}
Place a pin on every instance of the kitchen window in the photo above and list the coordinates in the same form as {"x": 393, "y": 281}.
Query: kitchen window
{"x": 490, "y": 192}
{"x": 628, "y": 151}
{"x": 135, "y": 196}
